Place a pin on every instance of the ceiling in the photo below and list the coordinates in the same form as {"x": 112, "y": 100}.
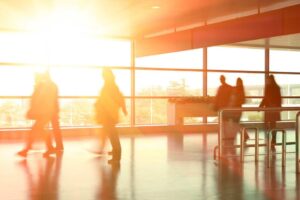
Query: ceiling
{"x": 125, "y": 18}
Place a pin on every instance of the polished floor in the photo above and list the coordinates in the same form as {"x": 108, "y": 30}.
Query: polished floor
{"x": 152, "y": 167}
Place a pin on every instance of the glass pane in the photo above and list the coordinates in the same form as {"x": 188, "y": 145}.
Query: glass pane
{"x": 13, "y": 113}
{"x": 289, "y": 84}
{"x": 73, "y": 112}
{"x": 168, "y": 83}
{"x": 253, "y": 83}
{"x": 151, "y": 111}
{"x": 19, "y": 81}
{"x": 57, "y": 49}
{"x": 284, "y": 60}
{"x": 80, "y": 112}
{"x": 87, "y": 81}
{"x": 236, "y": 58}
{"x": 16, "y": 81}
{"x": 191, "y": 59}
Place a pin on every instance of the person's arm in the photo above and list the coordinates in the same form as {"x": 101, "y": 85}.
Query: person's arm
{"x": 262, "y": 103}
{"x": 124, "y": 107}
{"x": 122, "y": 103}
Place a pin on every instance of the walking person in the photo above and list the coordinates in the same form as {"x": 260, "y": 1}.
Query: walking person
{"x": 107, "y": 107}
{"x": 221, "y": 101}
{"x": 272, "y": 98}
{"x": 55, "y": 116}
{"x": 237, "y": 99}
{"x": 42, "y": 105}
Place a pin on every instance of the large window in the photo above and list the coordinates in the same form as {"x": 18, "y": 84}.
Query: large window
{"x": 284, "y": 60}
{"x": 168, "y": 83}
{"x": 253, "y": 83}
{"x": 236, "y": 58}
{"x": 191, "y": 59}
{"x": 54, "y": 49}
{"x": 75, "y": 65}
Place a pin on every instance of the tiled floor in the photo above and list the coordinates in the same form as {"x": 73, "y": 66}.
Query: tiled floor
{"x": 152, "y": 167}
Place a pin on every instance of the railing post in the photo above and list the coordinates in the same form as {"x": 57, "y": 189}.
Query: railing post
{"x": 283, "y": 147}
{"x": 220, "y": 138}
{"x": 269, "y": 139}
{"x": 297, "y": 143}
{"x": 242, "y": 145}
{"x": 256, "y": 145}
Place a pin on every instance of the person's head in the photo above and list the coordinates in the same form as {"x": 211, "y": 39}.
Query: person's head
{"x": 239, "y": 82}
{"x": 38, "y": 77}
{"x": 47, "y": 75}
{"x": 108, "y": 75}
{"x": 222, "y": 79}
{"x": 271, "y": 80}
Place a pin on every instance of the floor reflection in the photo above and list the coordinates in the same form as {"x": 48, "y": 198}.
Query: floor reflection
{"x": 108, "y": 179}
{"x": 42, "y": 177}
{"x": 160, "y": 167}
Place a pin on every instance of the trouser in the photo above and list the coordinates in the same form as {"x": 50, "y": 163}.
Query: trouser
{"x": 111, "y": 131}
{"x": 38, "y": 127}
{"x": 269, "y": 126}
{"x": 57, "y": 132}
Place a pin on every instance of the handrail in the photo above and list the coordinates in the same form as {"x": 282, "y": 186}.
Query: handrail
{"x": 297, "y": 142}
{"x": 242, "y": 145}
{"x": 257, "y": 109}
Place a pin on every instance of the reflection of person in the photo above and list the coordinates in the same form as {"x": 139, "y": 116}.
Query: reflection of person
{"x": 272, "y": 98}
{"x": 45, "y": 185}
{"x": 42, "y": 107}
{"x": 107, "y": 108}
{"x": 109, "y": 179}
{"x": 55, "y": 117}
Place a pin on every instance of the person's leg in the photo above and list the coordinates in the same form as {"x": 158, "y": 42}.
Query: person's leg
{"x": 57, "y": 132}
{"x": 47, "y": 137}
{"x": 29, "y": 140}
{"x": 115, "y": 142}
{"x": 102, "y": 139}
{"x": 37, "y": 127}
{"x": 273, "y": 141}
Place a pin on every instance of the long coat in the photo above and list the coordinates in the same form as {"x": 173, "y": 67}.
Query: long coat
{"x": 272, "y": 98}
{"x": 108, "y": 103}
{"x": 43, "y": 102}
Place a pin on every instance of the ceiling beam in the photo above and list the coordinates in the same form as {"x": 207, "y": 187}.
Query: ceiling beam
{"x": 265, "y": 25}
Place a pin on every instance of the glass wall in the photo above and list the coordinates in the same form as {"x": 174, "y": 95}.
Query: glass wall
{"x": 236, "y": 58}
{"x": 75, "y": 65}
{"x": 285, "y": 66}
{"x": 159, "y": 78}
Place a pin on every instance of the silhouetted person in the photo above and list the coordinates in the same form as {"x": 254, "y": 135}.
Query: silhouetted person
{"x": 107, "y": 106}
{"x": 272, "y": 98}
{"x": 222, "y": 97}
{"x": 55, "y": 117}
{"x": 237, "y": 99}
{"x": 42, "y": 107}
{"x": 221, "y": 101}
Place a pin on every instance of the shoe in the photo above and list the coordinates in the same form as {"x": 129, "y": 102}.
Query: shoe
{"x": 49, "y": 152}
{"x": 113, "y": 161}
{"x": 22, "y": 153}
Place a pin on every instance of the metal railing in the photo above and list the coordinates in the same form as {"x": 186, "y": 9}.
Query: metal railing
{"x": 220, "y": 146}
{"x": 297, "y": 142}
